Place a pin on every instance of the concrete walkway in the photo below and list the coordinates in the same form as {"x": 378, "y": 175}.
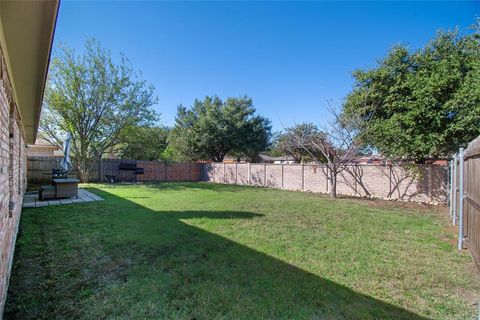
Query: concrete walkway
{"x": 30, "y": 199}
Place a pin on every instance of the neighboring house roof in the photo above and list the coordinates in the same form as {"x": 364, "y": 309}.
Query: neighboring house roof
{"x": 44, "y": 143}
{"x": 382, "y": 160}
{"x": 369, "y": 159}
{"x": 43, "y": 147}
{"x": 266, "y": 158}
{"x": 26, "y": 36}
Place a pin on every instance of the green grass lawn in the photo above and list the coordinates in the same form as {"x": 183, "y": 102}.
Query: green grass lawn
{"x": 206, "y": 251}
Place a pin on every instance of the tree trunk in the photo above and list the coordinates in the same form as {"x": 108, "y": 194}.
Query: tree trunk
{"x": 84, "y": 170}
{"x": 333, "y": 184}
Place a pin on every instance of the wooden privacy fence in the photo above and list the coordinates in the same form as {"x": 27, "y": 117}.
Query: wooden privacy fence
{"x": 39, "y": 170}
{"x": 154, "y": 171}
{"x": 465, "y": 197}
{"x": 428, "y": 183}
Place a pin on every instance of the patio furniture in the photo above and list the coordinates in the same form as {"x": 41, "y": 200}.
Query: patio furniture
{"x": 66, "y": 187}
{"x": 47, "y": 192}
{"x": 110, "y": 178}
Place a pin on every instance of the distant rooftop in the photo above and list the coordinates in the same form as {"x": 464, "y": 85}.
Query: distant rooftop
{"x": 282, "y": 158}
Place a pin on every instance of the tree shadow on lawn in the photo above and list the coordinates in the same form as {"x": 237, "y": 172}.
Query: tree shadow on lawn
{"x": 118, "y": 259}
{"x": 200, "y": 185}
{"x": 177, "y": 186}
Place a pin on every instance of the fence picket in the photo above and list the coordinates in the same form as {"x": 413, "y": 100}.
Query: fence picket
{"x": 467, "y": 208}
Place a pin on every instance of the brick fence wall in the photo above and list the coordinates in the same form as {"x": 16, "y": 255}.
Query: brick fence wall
{"x": 12, "y": 178}
{"x": 427, "y": 184}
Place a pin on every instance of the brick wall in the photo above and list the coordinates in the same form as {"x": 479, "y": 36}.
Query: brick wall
{"x": 427, "y": 183}
{"x": 12, "y": 178}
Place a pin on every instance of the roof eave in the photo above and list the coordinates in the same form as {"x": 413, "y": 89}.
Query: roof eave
{"x": 26, "y": 36}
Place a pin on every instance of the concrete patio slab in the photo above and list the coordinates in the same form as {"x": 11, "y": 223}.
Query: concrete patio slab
{"x": 30, "y": 200}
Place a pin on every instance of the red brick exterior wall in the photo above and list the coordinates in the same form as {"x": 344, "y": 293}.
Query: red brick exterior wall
{"x": 12, "y": 178}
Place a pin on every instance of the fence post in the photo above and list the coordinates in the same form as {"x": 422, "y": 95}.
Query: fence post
{"x": 454, "y": 202}
{"x": 101, "y": 169}
{"x": 390, "y": 191}
{"x": 282, "y": 175}
{"x": 213, "y": 169}
{"x": 303, "y": 177}
{"x": 460, "y": 198}
{"x": 450, "y": 186}
{"x": 249, "y": 173}
{"x": 265, "y": 174}
{"x": 325, "y": 173}
{"x": 236, "y": 172}
{"x": 165, "y": 173}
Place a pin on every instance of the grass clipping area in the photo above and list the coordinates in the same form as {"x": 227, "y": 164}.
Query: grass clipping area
{"x": 210, "y": 251}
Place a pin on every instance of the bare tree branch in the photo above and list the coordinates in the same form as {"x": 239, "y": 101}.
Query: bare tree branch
{"x": 336, "y": 145}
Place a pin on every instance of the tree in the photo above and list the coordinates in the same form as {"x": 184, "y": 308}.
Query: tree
{"x": 424, "y": 103}
{"x": 143, "y": 143}
{"x": 213, "y": 128}
{"x": 93, "y": 99}
{"x": 336, "y": 145}
{"x": 287, "y": 142}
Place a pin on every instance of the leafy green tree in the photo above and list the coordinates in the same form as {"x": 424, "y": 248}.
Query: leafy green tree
{"x": 143, "y": 143}
{"x": 93, "y": 99}
{"x": 421, "y": 104}
{"x": 292, "y": 142}
{"x": 213, "y": 128}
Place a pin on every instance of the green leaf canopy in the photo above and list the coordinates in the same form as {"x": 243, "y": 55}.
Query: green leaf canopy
{"x": 421, "y": 104}
{"x": 212, "y": 128}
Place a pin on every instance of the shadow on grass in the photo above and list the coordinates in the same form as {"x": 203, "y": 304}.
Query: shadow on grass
{"x": 178, "y": 186}
{"x": 118, "y": 259}
{"x": 203, "y": 185}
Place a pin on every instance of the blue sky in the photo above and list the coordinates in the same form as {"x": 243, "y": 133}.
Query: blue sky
{"x": 290, "y": 57}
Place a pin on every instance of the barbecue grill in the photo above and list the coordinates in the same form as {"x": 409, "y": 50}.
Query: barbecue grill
{"x": 131, "y": 166}
{"x": 59, "y": 173}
